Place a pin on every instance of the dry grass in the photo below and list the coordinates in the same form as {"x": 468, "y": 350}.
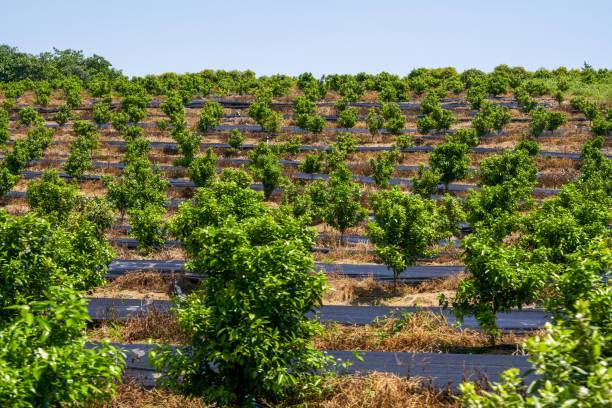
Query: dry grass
{"x": 372, "y": 390}
{"x": 154, "y": 323}
{"x": 140, "y": 285}
{"x": 348, "y": 291}
{"x": 420, "y": 332}
{"x": 161, "y": 254}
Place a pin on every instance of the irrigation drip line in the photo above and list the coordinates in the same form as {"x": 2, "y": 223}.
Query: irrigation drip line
{"x": 443, "y": 370}
{"x": 412, "y": 275}
{"x": 515, "y": 320}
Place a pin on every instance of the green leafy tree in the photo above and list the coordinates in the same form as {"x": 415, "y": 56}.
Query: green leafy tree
{"x": 348, "y": 118}
{"x": 375, "y": 122}
{"x": 573, "y": 368}
{"x": 210, "y": 116}
{"x": 119, "y": 121}
{"x": 404, "y": 228}
{"x": 343, "y": 208}
{"x": 465, "y": 136}
{"x": 438, "y": 118}
{"x": 425, "y": 182}
{"x": 202, "y": 169}
{"x": 101, "y": 113}
{"x": 173, "y": 107}
{"x": 313, "y": 163}
{"x": 542, "y": 119}
{"x": 4, "y": 127}
{"x": 51, "y": 196}
{"x": 532, "y": 147}
{"x": 448, "y": 216}
{"x": 451, "y": 161}
{"x": 63, "y": 115}
{"x": 382, "y": 167}
{"x": 147, "y": 226}
{"x": 43, "y": 93}
{"x": 7, "y": 180}
{"x": 403, "y": 141}
{"x": 188, "y": 145}
{"x": 498, "y": 169}
{"x": 44, "y": 356}
{"x": 395, "y": 120}
{"x": 265, "y": 168}
{"x": 29, "y": 116}
{"x": 236, "y": 139}
{"x": 250, "y": 314}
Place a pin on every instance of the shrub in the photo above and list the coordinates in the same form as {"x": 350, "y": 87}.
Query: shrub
{"x": 343, "y": 208}
{"x": 463, "y": 136}
{"x": 382, "y": 167}
{"x": 63, "y": 116}
{"x": 119, "y": 121}
{"x": 530, "y": 146}
{"x": 451, "y": 161}
{"x": 29, "y": 116}
{"x": 249, "y": 315}
{"x": 394, "y": 118}
{"x": 146, "y": 226}
{"x": 51, "y": 196}
{"x": 348, "y": 118}
{"x": 43, "y": 93}
{"x": 101, "y": 113}
{"x": 202, "y": 169}
{"x": 425, "y": 182}
{"x": 236, "y": 139}
{"x": 4, "y": 127}
{"x": 44, "y": 356}
{"x": 7, "y": 181}
{"x": 313, "y": 163}
{"x": 210, "y": 116}
{"x": 188, "y": 145}
{"x": 403, "y": 141}
{"x": 497, "y": 169}
{"x": 374, "y": 121}
{"x": 403, "y": 230}
{"x": 265, "y": 168}
{"x": 542, "y": 119}
{"x": 79, "y": 160}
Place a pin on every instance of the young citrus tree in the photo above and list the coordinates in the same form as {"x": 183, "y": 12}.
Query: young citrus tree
{"x": 451, "y": 161}
{"x": 404, "y": 228}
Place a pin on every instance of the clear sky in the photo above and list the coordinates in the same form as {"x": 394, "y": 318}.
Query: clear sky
{"x": 291, "y": 37}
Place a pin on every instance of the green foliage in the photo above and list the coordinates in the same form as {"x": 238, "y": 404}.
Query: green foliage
{"x": 265, "y": 168}
{"x": 17, "y": 158}
{"x": 138, "y": 186}
{"x": 425, "y": 182}
{"x": 570, "y": 358}
{"x": 448, "y": 216}
{"x": 230, "y": 197}
{"x": 492, "y": 117}
{"x": 43, "y": 93}
{"x": 119, "y": 121}
{"x": 97, "y": 211}
{"x": 476, "y": 96}
{"x": 101, "y": 113}
{"x": 404, "y": 228}
{"x": 32, "y": 148}
{"x": 7, "y": 180}
{"x": 464, "y": 136}
{"x": 542, "y": 119}
{"x": 210, "y": 116}
{"x": 438, "y": 118}
{"x": 501, "y": 277}
{"x": 532, "y": 147}
{"x": 162, "y": 124}
{"x": 348, "y": 118}
{"x": 4, "y": 127}
{"x": 29, "y": 116}
{"x": 451, "y": 161}
{"x": 146, "y": 226}
{"x": 250, "y": 315}
{"x": 202, "y": 169}
{"x": 403, "y": 141}
{"x": 343, "y": 208}
{"x": 63, "y": 116}
{"x": 136, "y": 148}
{"x": 188, "y": 145}
{"x": 497, "y": 169}
{"x": 236, "y": 139}
{"x": 313, "y": 163}
{"x": 45, "y": 360}
{"x": 601, "y": 127}
{"x": 72, "y": 89}
{"x": 346, "y": 142}
{"x": 304, "y": 106}
{"x": 40, "y": 255}
{"x": 382, "y": 167}
{"x": 134, "y": 104}
{"x": 395, "y": 120}
{"x": 173, "y": 107}
{"x": 269, "y": 120}
{"x": 374, "y": 121}
{"x": 51, "y": 196}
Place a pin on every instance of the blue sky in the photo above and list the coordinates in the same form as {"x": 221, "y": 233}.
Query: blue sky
{"x": 291, "y": 37}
